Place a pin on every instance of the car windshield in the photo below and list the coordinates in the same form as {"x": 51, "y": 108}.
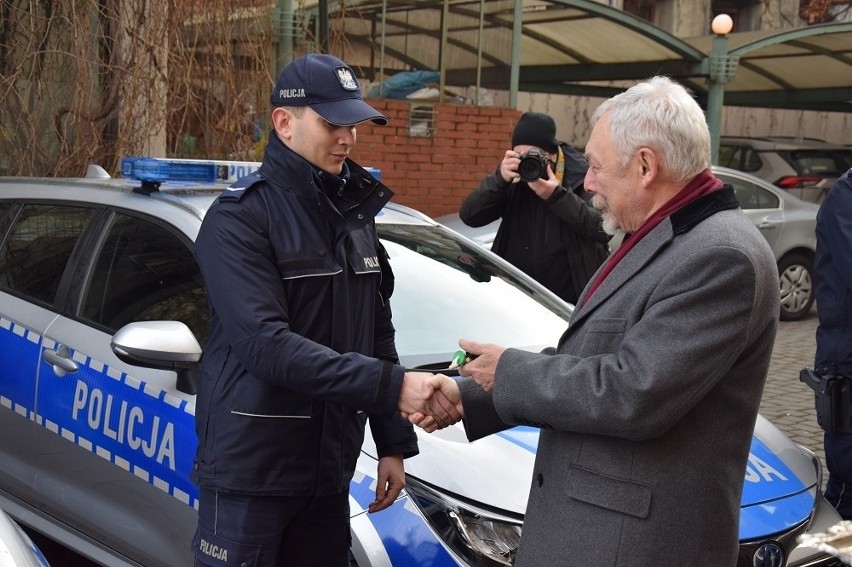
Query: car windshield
{"x": 446, "y": 289}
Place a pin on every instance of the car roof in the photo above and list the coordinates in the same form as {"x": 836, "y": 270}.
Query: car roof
{"x": 783, "y": 143}
{"x": 194, "y": 197}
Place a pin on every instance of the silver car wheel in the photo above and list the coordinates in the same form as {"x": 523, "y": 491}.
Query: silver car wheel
{"x": 797, "y": 290}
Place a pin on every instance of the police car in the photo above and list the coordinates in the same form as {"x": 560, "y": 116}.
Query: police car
{"x": 103, "y": 319}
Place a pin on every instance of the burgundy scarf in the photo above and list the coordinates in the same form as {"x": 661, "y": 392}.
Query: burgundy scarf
{"x": 702, "y": 184}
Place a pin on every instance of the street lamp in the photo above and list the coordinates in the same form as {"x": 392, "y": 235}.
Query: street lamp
{"x": 722, "y": 69}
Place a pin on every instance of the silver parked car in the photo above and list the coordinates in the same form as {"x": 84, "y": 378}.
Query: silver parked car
{"x": 787, "y": 222}
{"x": 103, "y": 318}
{"x": 805, "y": 167}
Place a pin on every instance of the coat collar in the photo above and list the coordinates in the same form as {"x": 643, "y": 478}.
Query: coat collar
{"x": 289, "y": 171}
{"x": 680, "y": 222}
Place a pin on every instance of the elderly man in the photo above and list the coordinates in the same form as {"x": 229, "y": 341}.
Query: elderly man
{"x": 649, "y": 399}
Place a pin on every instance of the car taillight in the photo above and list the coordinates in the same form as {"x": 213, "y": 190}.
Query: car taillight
{"x": 796, "y": 181}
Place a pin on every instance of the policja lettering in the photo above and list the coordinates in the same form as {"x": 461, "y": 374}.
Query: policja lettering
{"x": 291, "y": 93}
{"x": 371, "y": 261}
{"x": 125, "y": 423}
{"x": 213, "y": 551}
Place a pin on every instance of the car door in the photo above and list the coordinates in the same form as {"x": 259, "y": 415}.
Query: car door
{"x": 119, "y": 464}
{"x": 37, "y": 242}
{"x": 763, "y": 207}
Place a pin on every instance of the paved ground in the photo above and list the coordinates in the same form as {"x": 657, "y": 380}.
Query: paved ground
{"x": 787, "y": 402}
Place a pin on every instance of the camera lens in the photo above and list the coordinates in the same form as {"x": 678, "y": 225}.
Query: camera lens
{"x": 533, "y": 165}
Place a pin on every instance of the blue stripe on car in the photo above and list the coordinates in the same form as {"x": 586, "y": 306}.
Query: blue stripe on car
{"x": 405, "y": 535}
{"x": 19, "y": 349}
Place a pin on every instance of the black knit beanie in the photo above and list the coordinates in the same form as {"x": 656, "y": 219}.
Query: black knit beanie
{"x": 535, "y": 129}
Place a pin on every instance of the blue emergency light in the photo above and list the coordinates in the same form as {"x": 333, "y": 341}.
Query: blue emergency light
{"x": 156, "y": 170}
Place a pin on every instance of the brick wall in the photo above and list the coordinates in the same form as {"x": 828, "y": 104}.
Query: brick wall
{"x": 433, "y": 174}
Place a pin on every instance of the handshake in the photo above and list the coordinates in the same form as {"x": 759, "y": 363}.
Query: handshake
{"x": 433, "y": 401}
{"x": 430, "y": 401}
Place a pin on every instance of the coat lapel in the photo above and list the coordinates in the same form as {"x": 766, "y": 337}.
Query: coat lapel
{"x": 635, "y": 260}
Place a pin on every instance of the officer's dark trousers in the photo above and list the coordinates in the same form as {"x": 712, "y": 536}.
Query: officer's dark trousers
{"x": 271, "y": 531}
{"x": 838, "y": 458}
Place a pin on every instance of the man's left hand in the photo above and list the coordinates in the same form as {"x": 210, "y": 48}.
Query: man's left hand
{"x": 389, "y": 483}
{"x": 484, "y": 366}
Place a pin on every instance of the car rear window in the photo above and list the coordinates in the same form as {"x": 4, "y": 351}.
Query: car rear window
{"x": 825, "y": 163}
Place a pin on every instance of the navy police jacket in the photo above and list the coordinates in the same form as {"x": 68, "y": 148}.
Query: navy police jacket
{"x": 833, "y": 280}
{"x": 301, "y": 345}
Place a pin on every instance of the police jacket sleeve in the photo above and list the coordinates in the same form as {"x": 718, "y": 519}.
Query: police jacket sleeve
{"x": 487, "y": 202}
{"x": 835, "y": 222}
{"x": 244, "y": 290}
{"x": 392, "y": 434}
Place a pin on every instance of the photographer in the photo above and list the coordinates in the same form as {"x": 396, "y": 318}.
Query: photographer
{"x": 833, "y": 361}
{"x": 548, "y": 229}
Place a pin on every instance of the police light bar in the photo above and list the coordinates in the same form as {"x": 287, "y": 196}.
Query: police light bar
{"x": 157, "y": 170}
{"x": 154, "y": 171}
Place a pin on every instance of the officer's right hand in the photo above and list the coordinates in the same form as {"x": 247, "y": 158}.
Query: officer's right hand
{"x": 419, "y": 395}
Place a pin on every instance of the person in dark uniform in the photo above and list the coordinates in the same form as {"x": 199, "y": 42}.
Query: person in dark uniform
{"x": 548, "y": 228}
{"x": 301, "y": 350}
{"x": 833, "y": 279}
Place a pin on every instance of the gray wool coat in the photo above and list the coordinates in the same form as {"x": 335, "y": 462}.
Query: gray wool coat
{"x": 648, "y": 403}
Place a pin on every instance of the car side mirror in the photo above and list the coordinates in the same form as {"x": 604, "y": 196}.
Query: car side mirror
{"x": 167, "y": 345}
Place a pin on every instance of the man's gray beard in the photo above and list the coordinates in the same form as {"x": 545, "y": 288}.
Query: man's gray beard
{"x": 607, "y": 222}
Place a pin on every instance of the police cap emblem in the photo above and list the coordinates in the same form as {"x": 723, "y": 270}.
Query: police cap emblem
{"x": 346, "y": 78}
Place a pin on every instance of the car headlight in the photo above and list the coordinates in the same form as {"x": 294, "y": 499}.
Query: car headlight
{"x": 479, "y": 536}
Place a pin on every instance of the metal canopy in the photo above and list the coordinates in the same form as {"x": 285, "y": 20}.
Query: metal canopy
{"x": 584, "y": 48}
{"x": 804, "y": 68}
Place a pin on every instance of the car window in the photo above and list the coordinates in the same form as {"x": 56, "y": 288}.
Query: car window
{"x": 143, "y": 272}
{"x": 38, "y": 245}
{"x": 743, "y": 158}
{"x": 750, "y": 160}
{"x": 822, "y": 163}
{"x": 729, "y": 156}
{"x": 751, "y": 196}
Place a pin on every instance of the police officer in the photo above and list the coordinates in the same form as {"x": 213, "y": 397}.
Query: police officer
{"x": 301, "y": 338}
{"x": 833, "y": 278}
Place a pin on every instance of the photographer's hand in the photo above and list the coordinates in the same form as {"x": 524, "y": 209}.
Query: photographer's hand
{"x": 509, "y": 166}
{"x": 545, "y": 188}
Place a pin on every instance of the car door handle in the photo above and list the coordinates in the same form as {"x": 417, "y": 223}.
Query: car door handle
{"x": 768, "y": 224}
{"x": 60, "y": 360}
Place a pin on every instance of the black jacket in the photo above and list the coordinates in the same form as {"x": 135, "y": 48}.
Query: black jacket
{"x": 301, "y": 341}
{"x": 833, "y": 279}
{"x": 559, "y": 242}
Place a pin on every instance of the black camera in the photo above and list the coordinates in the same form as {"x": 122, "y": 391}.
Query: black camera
{"x": 533, "y": 165}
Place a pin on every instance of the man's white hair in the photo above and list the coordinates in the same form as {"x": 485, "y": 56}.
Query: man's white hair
{"x": 661, "y": 115}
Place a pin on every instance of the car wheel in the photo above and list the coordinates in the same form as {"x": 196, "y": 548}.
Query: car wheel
{"x": 797, "y": 286}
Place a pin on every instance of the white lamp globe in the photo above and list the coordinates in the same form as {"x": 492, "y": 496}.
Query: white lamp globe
{"x": 722, "y": 24}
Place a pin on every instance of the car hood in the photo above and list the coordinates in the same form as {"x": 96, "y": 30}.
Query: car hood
{"x": 778, "y": 492}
